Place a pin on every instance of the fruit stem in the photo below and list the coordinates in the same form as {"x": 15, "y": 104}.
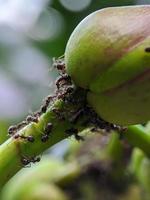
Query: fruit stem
{"x": 137, "y": 137}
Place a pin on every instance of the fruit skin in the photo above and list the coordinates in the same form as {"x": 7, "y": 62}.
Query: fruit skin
{"x": 106, "y": 55}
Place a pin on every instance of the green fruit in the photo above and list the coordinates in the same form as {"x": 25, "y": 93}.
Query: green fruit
{"x": 108, "y": 53}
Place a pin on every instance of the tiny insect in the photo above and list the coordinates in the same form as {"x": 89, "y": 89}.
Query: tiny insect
{"x": 71, "y": 131}
{"x": 48, "y": 128}
{"x": 43, "y": 108}
{"x": 61, "y": 95}
{"x": 63, "y": 80}
{"x": 29, "y": 138}
{"x": 147, "y": 49}
{"x": 46, "y": 103}
{"x": 59, "y": 64}
{"x": 93, "y": 129}
{"x": 78, "y": 137}
{"x": 77, "y": 115}
{"x": 12, "y": 130}
{"x": 32, "y": 119}
{"x": 69, "y": 90}
{"x": 34, "y": 160}
{"x": 44, "y": 138}
{"x": 47, "y": 132}
{"x": 21, "y": 125}
{"x": 58, "y": 113}
{"x": 26, "y": 161}
{"x": 37, "y": 114}
{"x": 74, "y": 131}
{"x": 49, "y": 99}
{"x": 65, "y": 93}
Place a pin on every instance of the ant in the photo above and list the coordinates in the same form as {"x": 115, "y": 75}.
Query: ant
{"x": 74, "y": 131}
{"x": 58, "y": 113}
{"x": 67, "y": 91}
{"x": 21, "y": 125}
{"x": 47, "y": 131}
{"x": 29, "y": 138}
{"x": 47, "y": 101}
{"x": 44, "y": 138}
{"x": 77, "y": 115}
{"x": 25, "y": 161}
{"x": 63, "y": 80}
{"x": 32, "y": 119}
{"x": 78, "y": 137}
{"x": 12, "y": 130}
{"x": 80, "y": 113}
{"x": 59, "y": 64}
{"x": 147, "y": 49}
{"x": 94, "y": 129}
{"x": 48, "y": 128}
{"x": 43, "y": 108}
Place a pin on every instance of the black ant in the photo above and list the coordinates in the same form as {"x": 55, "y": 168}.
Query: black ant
{"x": 77, "y": 115}
{"x": 37, "y": 114}
{"x": 47, "y": 132}
{"x": 47, "y": 101}
{"x": 69, "y": 96}
{"x": 147, "y": 49}
{"x": 43, "y": 108}
{"x": 58, "y": 113}
{"x": 44, "y": 138}
{"x": 75, "y": 96}
{"x": 74, "y": 131}
{"x": 94, "y": 129}
{"x": 12, "y": 130}
{"x": 48, "y": 128}
{"x": 78, "y": 137}
{"x": 29, "y": 138}
{"x": 25, "y": 161}
{"x": 21, "y": 125}
{"x": 63, "y": 80}
{"x": 67, "y": 91}
{"x": 83, "y": 111}
{"x": 59, "y": 64}
{"x": 32, "y": 119}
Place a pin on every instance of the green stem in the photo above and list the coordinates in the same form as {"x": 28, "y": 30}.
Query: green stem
{"x": 12, "y": 151}
{"x": 114, "y": 147}
{"x": 63, "y": 173}
{"x": 137, "y": 137}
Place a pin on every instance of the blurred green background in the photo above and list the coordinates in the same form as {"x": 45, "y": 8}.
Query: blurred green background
{"x": 32, "y": 32}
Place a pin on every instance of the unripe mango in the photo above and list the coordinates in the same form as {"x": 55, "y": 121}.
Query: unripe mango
{"x": 108, "y": 53}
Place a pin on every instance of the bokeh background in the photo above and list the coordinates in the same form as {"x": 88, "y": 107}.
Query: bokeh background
{"x": 32, "y": 32}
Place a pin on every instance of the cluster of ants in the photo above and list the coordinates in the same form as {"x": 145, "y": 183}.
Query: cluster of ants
{"x": 66, "y": 91}
{"x": 12, "y": 131}
{"x": 60, "y": 93}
